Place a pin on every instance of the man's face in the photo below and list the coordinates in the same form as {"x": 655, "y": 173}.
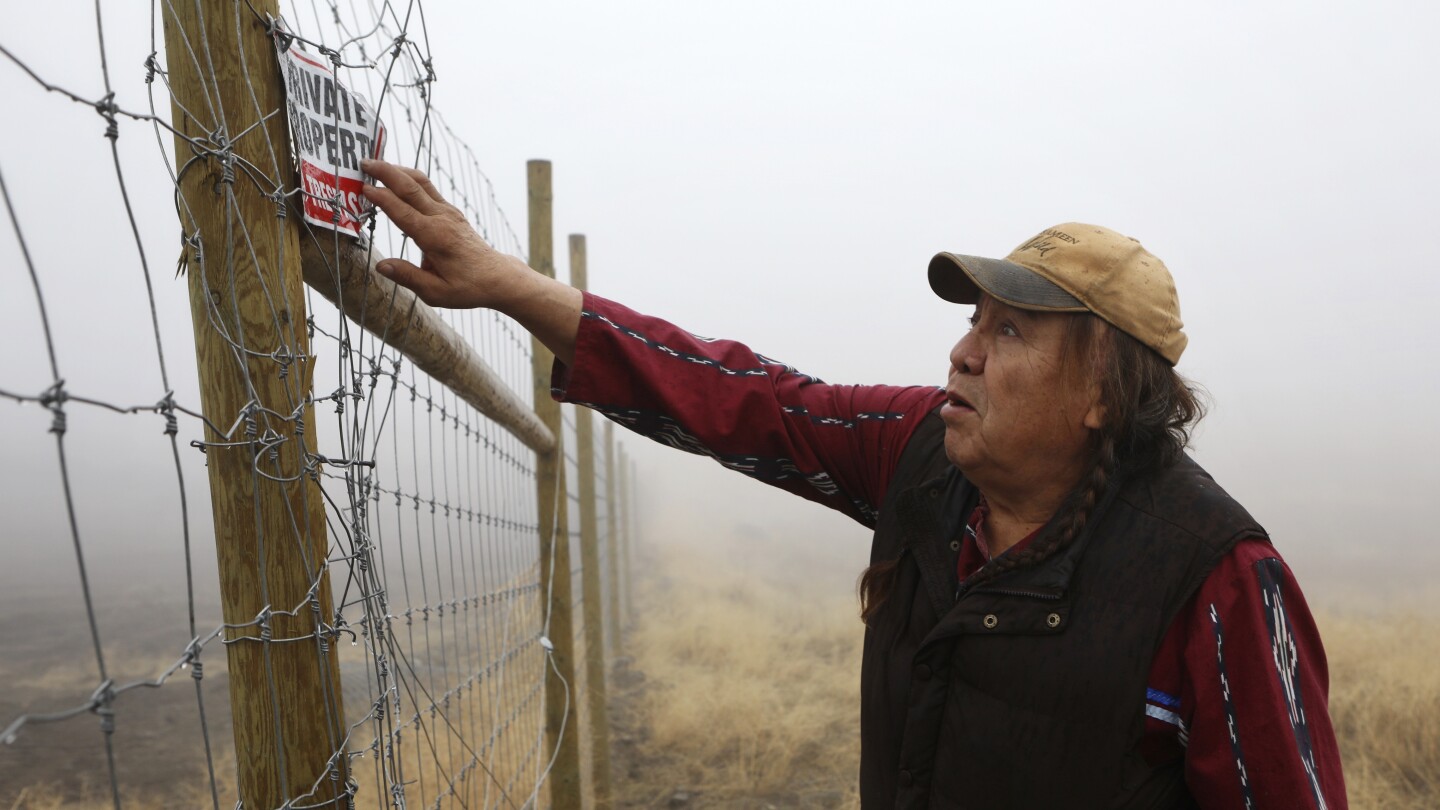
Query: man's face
{"x": 1016, "y": 414}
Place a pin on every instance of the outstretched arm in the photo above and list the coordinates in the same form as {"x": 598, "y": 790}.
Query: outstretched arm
{"x": 459, "y": 270}
{"x": 834, "y": 444}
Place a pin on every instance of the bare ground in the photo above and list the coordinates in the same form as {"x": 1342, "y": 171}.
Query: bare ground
{"x": 157, "y": 744}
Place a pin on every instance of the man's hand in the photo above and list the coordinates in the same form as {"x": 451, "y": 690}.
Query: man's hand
{"x": 458, "y": 269}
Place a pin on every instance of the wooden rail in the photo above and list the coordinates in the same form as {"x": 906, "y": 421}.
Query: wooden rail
{"x": 395, "y": 315}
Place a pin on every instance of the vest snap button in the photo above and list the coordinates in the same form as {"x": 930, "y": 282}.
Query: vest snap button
{"x": 934, "y": 493}
{"x": 1053, "y": 620}
{"x": 907, "y": 779}
{"x": 990, "y": 621}
{"x": 954, "y": 545}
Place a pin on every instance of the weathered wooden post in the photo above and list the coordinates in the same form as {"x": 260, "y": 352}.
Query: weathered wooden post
{"x": 595, "y": 693}
{"x": 632, "y": 540}
{"x": 554, "y": 523}
{"x": 627, "y": 532}
{"x": 247, "y": 305}
{"x": 612, "y": 545}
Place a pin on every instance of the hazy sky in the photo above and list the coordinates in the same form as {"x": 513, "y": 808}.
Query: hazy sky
{"x": 781, "y": 173}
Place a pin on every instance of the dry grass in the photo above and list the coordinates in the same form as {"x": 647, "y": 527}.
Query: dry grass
{"x": 742, "y": 693}
{"x": 93, "y": 793}
{"x": 750, "y": 697}
{"x": 1385, "y": 701}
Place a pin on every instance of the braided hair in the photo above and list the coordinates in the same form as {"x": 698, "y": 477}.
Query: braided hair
{"x": 1150, "y": 411}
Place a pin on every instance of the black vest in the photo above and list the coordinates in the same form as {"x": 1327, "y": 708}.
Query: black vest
{"x": 1028, "y": 691}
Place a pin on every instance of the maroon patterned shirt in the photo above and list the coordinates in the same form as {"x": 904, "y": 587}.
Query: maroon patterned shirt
{"x": 1238, "y": 687}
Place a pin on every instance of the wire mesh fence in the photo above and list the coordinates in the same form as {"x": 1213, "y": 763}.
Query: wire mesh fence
{"x": 310, "y": 544}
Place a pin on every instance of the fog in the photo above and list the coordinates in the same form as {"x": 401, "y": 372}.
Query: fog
{"x": 781, "y": 174}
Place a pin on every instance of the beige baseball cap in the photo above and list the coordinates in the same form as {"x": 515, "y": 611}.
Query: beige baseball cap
{"x": 1075, "y": 268}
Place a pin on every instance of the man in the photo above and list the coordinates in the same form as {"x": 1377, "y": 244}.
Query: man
{"x": 1062, "y": 609}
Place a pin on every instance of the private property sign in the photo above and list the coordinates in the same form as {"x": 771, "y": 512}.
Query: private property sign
{"x": 332, "y": 128}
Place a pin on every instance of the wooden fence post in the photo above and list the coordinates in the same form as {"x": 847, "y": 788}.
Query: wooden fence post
{"x": 247, "y": 306}
{"x": 627, "y": 530}
{"x": 612, "y": 544}
{"x": 595, "y": 692}
{"x": 554, "y": 522}
{"x": 632, "y": 538}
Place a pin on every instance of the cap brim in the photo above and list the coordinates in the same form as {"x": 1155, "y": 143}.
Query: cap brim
{"x": 961, "y": 279}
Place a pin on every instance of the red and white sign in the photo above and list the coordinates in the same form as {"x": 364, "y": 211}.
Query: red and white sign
{"x": 331, "y": 129}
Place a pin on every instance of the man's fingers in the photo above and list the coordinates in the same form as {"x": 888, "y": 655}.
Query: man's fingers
{"x": 406, "y": 275}
{"x": 403, "y": 185}
{"x": 423, "y": 180}
{"x": 387, "y": 173}
{"x": 400, "y": 212}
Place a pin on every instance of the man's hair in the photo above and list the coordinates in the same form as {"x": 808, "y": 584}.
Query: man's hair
{"x": 1150, "y": 411}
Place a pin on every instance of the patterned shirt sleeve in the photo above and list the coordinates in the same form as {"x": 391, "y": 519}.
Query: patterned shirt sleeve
{"x": 834, "y": 444}
{"x": 1256, "y": 687}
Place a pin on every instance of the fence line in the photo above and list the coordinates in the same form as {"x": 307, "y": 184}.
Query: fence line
{"x": 419, "y": 510}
